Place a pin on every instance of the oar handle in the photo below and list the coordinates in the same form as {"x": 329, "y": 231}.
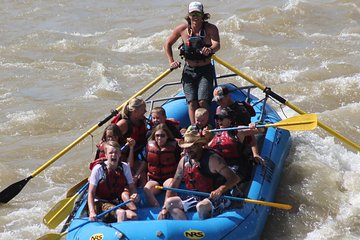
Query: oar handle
{"x": 270, "y": 204}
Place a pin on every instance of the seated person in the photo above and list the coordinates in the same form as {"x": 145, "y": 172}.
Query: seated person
{"x": 200, "y": 167}
{"x": 111, "y": 133}
{"x": 163, "y": 155}
{"x": 132, "y": 123}
{"x": 201, "y": 124}
{"x": 158, "y": 115}
{"x": 107, "y": 181}
{"x": 228, "y": 145}
{"x": 243, "y": 112}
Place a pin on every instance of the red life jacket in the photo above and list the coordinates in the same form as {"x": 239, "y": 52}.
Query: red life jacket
{"x": 138, "y": 133}
{"x": 198, "y": 176}
{"x": 112, "y": 183}
{"x": 100, "y": 150}
{"x": 228, "y": 146}
{"x": 162, "y": 163}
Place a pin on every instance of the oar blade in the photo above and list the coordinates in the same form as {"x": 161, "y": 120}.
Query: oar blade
{"x": 59, "y": 212}
{"x": 11, "y": 191}
{"x": 50, "y": 236}
{"x": 304, "y": 122}
{"x": 72, "y": 191}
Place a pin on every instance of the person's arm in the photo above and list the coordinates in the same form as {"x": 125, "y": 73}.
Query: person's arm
{"x": 133, "y": 192}
{"x": 215, "y": 39}
{"x": 218, "y": 165}
{"x": 213, "y": 31}
{"x": 255, "y": 151}
{"x": 131, "y": 143}
{"x": 93, "y": 179}
{"x": 174, "y": 183}
{"x": 91, "y": 202}
{"x": 123, "y": 126}
{"x": 170, "y": 41}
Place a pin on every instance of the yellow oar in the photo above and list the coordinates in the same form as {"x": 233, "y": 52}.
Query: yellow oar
{"x": 76, "y": 188}
{"x": 62, "y": 209}
{"x": 205, "y": 194}
{"x": 298, "y": 123}
{"x": 283, "y": 101}
{"x": 56, "y": 236}
{"x": 14, "y": 189}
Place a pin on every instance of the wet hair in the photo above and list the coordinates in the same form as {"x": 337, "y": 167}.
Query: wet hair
{"x": 111, "y": 144}
{"x": 132, "y": 105}
{"x": 163, "y": 127}
{"x": 116, "y": 131}
{"x": 159, "y": 110}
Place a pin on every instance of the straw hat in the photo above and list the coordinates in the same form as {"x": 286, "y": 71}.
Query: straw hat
{"x": 191, "y": 139}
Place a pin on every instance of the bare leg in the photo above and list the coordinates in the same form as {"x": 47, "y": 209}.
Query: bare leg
{"x": 121, "y": 215}
{"x": 150, "y": 191}
{"x": 204, "y": 209}
{"x": 126, "y": 196}
{"x": 175, "y": 207}
{"x": 193, "y": 105}
{"x": 130, "y": 215}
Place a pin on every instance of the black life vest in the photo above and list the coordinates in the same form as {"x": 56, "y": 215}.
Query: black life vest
{"x": 243, "y": 112}
{"x": 191, "y": 49}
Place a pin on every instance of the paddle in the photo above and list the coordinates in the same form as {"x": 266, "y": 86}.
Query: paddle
{"x": 297, "y": 123}
{"x": 61, "y": 210}
{"x": 55, "y": 236}
{"x": 14, "y": 189}
{"x": 205, "y": 194}
{"x": 283, "y": 101}
{"x": 73, "y": 190}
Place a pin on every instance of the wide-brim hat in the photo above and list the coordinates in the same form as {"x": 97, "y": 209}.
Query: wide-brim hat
{"x": 191, "y": 139}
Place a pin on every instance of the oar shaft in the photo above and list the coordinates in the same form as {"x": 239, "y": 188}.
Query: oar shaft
{"x": 270, "y": 204}
{"x": 284, "y": 101}
{"x": 87, "y": 133}
{"x": 97, "y": 216}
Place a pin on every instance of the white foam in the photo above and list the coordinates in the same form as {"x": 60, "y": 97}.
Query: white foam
{"x": 141, "y": 44}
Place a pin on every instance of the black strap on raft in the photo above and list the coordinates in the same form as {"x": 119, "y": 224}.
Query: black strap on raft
{"x": 269, "y": 92}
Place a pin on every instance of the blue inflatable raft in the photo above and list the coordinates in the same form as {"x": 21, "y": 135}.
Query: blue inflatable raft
{"x": 246, "y": 221}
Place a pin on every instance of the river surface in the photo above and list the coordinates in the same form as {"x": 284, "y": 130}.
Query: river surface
{"x": 65, "y": 64}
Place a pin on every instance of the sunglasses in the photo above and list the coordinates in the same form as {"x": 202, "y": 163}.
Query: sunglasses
{"x": 220, "y": 117}
{"x": 161, "y": 135}
{"x": 196, "y": 14}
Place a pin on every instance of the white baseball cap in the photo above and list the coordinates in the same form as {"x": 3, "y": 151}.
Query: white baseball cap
{"x": 196, "y": 7}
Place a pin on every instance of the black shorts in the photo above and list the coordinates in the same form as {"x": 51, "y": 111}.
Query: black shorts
{"x": 198, "y": 82}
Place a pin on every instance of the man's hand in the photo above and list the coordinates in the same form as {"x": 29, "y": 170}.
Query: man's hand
{"x": 175, "y": 64}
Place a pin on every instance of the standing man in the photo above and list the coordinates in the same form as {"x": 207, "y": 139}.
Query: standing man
{"x": 200, "y": 40}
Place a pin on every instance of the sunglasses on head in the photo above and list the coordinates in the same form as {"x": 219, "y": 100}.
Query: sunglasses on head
{"x": 196, "y": 14}
{"x": 161, "y": 135}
